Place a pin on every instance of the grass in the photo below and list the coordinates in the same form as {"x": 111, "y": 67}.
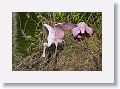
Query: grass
{"x": 28, "y": 37}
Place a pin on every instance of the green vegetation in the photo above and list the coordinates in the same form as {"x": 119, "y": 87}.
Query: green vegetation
{"x": 28, "y": 36}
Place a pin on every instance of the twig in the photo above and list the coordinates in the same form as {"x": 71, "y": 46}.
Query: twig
{"x": 24, "y": 60}
{"x": 82, "y": 16}
{"x": 89, "y": 18}
{"x": 25, "y": 25}
{"x": 33, "y": 21}
{"x": 42, "y": 17}
{"x": 20, "y": 27}
{"x": 37, "y": 25}
{"x": 20, "y": 63}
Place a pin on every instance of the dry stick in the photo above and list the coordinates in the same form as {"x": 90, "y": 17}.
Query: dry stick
{"x": 82, "y": 16}
{"x": 20, "y": 63}
{"x": 24, "y": 60}
{"x": 37, "y": 25}
{"x": 42, "y": 17}
{"x": 25, "y": 25}
{"x": 24, "y": 28}
{"x": 20, "y": 25}
{"x": 33, "y": 21}
{"x": 30, "y": 61}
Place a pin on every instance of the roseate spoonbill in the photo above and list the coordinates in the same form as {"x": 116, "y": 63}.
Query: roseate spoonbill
{"x": 78, "y": 30}
{"x": 56, "y": 34}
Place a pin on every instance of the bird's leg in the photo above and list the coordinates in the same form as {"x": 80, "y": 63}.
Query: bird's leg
{"x": 44, "y": 48}
{"x": 56, "y": 44}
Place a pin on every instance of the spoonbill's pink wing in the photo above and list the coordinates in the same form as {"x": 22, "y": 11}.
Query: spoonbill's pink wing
{"x": 59, "y": 33}
{"x": 75, "y": 31}
{"x": 46, "y": 30}
{"x": 65, "y": 26}
{"x": 51, "y": 35}
{"x": 50, "y": 29}
{"x": 89, "y": 30}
